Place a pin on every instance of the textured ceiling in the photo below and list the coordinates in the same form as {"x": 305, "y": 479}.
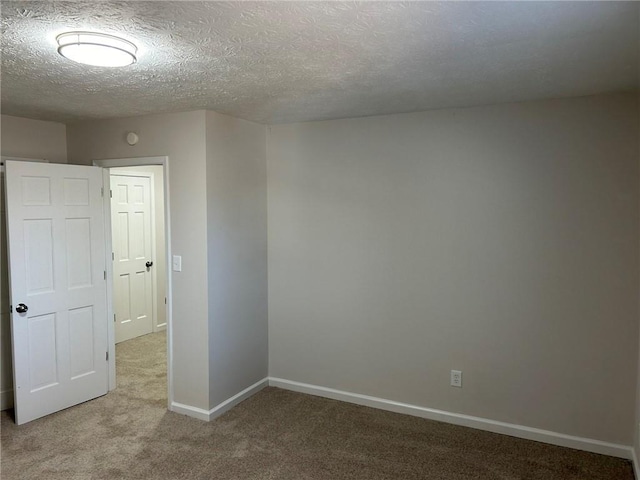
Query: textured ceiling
{"x": 274, "y": 62}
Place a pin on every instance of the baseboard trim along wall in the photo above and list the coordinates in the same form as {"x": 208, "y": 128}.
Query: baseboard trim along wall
{"x": 237, "y": 398}
{"x": 6, "y": 399}
{"x": 538, "y": 435}
{"x": 208, "y": 415}
{"x": 636, "y": 467}
{"x": 190, "y": 411}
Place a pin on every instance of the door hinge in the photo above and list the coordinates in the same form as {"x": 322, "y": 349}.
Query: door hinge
{"x": 105, "y": 274}
{"x": 107, "y": 356}
{"x": 165, "y": 300}
{"x": 102, "y": 191}
{"x": 113, "y": 256}
{"x": 110, "y": 193}
{"x": 114, "y": 317}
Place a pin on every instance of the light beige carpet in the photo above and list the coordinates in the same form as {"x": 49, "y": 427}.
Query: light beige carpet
{"x": 276, "y": 434}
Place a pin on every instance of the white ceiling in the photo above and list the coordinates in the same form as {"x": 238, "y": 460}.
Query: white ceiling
{"x": 275, "y": 62}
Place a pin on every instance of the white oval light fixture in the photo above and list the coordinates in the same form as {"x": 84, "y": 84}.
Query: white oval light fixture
{"x": 97, "y": 49}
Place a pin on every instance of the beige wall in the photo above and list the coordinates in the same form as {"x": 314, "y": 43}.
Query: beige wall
{"x": 181, "y": 137}
{"x": 217, "y": 188}
{"x": 22, "y": 138}
{"x": 237, "y": 252}
{"x": 636, "y": 425}
{"x": 501, "y": 241}
{"x": 26, "y": 138}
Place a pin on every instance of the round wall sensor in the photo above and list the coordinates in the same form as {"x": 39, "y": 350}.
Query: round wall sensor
{"x": 132, "y": 138}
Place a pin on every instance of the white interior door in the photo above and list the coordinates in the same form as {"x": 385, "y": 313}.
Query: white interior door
{"x": 58, "y": 288}
{"x": 132, "y": 257}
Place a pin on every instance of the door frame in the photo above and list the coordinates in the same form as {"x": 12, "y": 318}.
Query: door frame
{"x": 135, "y": 162}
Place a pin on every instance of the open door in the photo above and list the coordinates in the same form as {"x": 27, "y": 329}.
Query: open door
{"x": 132, "y": 238}
{"x": 57, "y": 286}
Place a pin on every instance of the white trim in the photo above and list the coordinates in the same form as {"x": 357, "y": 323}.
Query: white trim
{"x": 124, "y": 171}
{"x": 189, "y": 411}
{"x": 225, "y": 406}
{"x": 237, "y": 398}
{"x": 111, "y": 334}
{"x": 634, "y": 460}
{"x": 520, "y": 431}
{"x": 154, "y": 254}
{"x": 6, "y": 399}
{"x": 132, "y": 162}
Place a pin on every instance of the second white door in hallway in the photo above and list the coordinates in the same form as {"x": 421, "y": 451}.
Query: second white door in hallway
{"x": 132, "y": 252}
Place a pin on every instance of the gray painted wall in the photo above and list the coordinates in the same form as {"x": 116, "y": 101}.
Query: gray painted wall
{"x": 27, "y": 138}
{"x": 218, "y": 219}
{"x": 636, "y": 425}
{"x": 237, "y": 253}
{"x": 501, "y": 241}
{"x": 181, "y": 136}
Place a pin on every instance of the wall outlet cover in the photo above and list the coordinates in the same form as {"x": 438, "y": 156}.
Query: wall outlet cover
{"x": 456, "y": 378}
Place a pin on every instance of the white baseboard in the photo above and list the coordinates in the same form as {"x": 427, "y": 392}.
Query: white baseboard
{"x": 6, "y": 399}
{"x": 236, "y": 399}
{"x": 520, "y": 431}
{"x": 190, "y": 411}
{"x": 208, "y": 415}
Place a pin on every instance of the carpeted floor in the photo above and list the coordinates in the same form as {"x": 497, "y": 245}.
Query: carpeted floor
{"x": 276, "y": 434}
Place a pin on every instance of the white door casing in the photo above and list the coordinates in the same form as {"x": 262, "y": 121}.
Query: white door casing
{"x": 57, "y": 269}
{"x": 132, "y": 251}
{"x": 133, "y": 162}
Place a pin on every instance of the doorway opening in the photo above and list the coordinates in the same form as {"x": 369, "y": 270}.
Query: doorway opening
{"x": 138, "y": 283}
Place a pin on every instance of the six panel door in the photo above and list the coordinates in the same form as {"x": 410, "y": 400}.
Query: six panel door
{"x": 58, "y": 288}
{"x": 132, "y": 240}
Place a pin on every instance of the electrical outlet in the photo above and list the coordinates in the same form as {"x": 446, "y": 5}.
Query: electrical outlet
{"x": 456, "y": 378}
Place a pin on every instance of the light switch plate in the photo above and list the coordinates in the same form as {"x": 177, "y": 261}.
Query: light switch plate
{"x": 177, "y": 263}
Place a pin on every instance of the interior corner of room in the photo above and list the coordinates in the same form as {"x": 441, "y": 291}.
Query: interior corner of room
{"x": 507, "y": 272}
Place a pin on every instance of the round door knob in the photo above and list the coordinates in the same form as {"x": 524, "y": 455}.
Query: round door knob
{"x": 22, "y": 308}
{"x": 149, "y": 264}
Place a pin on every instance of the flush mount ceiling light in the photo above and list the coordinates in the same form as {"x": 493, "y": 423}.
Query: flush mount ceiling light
{"x": 97, "y": 49}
